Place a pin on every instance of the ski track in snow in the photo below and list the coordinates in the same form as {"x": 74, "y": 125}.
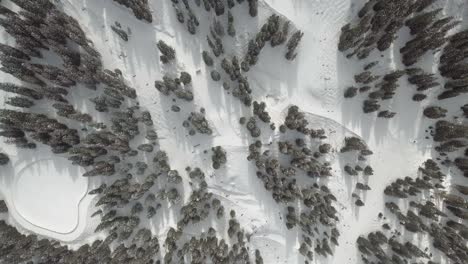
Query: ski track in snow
{"x": 314, "y": 81}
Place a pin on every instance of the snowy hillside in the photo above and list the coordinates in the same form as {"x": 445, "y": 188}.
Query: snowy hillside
{"x": 233, "y": 131}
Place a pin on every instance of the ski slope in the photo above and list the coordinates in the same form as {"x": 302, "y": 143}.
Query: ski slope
{"x": 46, "y": 194}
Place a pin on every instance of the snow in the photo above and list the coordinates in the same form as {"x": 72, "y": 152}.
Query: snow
{"x": 48, "y": 195}
{"x": 39, "y": 204}
{"x": 45, "y": 193}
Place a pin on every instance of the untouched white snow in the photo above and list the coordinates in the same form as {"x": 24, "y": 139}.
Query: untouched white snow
{"x": 48, "y": 195}
{"x": 45, "y": 193}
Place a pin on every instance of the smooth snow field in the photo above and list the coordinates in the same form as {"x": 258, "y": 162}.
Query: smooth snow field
{"x": 48, "y": 196}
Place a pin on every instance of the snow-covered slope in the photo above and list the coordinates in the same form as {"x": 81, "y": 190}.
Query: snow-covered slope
{"x": 46, "y": 195}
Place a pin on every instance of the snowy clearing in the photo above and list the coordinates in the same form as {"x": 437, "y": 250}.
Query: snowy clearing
{"x": 292, "y": 187}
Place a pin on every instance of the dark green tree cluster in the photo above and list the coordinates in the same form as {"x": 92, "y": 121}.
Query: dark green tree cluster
{"x": 423, "y": 216}
{"x": 109, "y": 148}
{"x": 386, "y": 88}
{"x": 253, "y": 7}
{"x": 259, "y": 109}
{"x": 292, "y": 44}
{"x": 454, "y": 66}
{"x": 241, "y": 88}
{"x": 207, "y": 58}
{"x": 379, "y": 21}
{"x": 68, "y": 111}
{"x": 274, "y": 31}
{"x": 219, "y": 157}
{"x": 281, "y": 179}
{"x": 38, "y": 127}
{"x": 429, "y": 34}
{"x": 207, "y": 246}
{"x": 140, "y": 9}
{"x": 167, "y": 52}
{"x": 197, "y": 122}
{"x": 4, "y": 159}
{"x": 231, "y": 30}
{"x": 115, "y": 93}
{"x": 180, "y": 87}
{"x": 215, "y": 42}
{"x": 18, "y": 101}
{"x": 48, "y": 29}
{"x": 192, "y": 20}
{"x": 119, "y": 31}
{"x": 423, "y": 81}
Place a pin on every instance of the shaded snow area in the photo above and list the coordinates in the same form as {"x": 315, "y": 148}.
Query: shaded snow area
{"x": 233, "y": 131}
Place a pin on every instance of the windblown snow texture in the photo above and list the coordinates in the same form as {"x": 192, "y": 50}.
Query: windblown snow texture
{"x": 233, "y": 131}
